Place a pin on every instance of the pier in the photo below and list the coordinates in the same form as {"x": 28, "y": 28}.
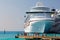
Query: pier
{"x": 40, "y": 36}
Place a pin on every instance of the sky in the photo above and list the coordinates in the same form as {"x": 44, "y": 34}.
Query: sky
{"x": 12, "y": 12}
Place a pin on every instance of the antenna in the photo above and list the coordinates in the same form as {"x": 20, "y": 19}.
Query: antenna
{"x": 38, "y": 4}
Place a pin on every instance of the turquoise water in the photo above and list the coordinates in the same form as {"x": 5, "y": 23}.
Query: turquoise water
{"x": 10, "y": 35}
{"x": 11, "y": 39}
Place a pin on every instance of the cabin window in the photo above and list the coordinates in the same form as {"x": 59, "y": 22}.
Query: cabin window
{"x": 41, "y": 15}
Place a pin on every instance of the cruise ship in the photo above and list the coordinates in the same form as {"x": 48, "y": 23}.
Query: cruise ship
{"x": 39, "y": 19}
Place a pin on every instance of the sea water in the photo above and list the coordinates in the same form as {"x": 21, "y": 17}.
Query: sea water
{"x": 9, "y": 35}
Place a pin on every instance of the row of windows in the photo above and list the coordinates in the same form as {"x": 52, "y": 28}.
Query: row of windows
{"x": 47, "y": 15}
